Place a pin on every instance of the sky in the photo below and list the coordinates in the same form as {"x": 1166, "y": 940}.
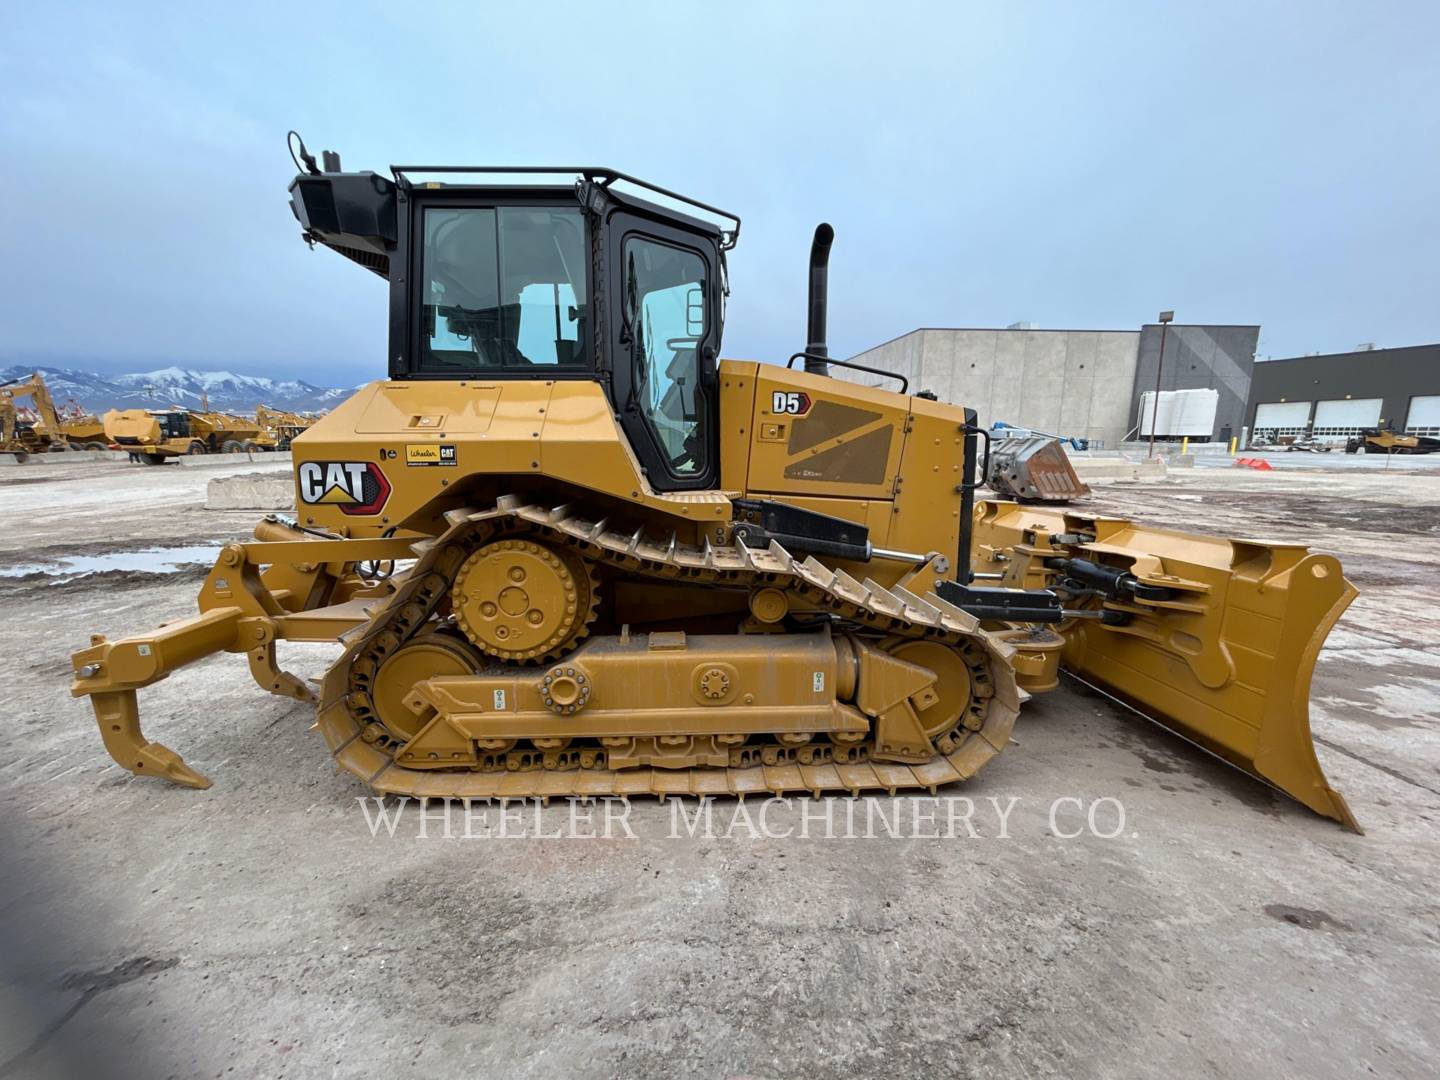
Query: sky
{"x": 1076, "y": 165}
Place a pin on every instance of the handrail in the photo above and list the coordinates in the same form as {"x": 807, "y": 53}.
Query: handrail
{"x": 904, "y": 382}
{"x": 975, "y": 429}
{"x": 590, "y": 172}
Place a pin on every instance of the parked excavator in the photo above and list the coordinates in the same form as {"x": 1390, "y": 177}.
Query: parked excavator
{"x": 46, "y": 429}
{"x": 638, "y": 569}
{"x": 17, "y": 434}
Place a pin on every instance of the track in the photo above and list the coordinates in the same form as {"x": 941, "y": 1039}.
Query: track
{"x": 362, "y": 746}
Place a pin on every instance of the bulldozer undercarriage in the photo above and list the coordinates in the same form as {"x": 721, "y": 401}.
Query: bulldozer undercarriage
{"x": 664, "y": 712}
{"x": 478, "y": 672}
{"x": 473, "y": 675}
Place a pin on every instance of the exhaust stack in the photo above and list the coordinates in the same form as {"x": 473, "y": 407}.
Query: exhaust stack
{"x": 819, "y": 295}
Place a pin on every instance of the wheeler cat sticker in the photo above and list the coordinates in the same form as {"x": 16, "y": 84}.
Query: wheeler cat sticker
{"x": 430, "y": 454}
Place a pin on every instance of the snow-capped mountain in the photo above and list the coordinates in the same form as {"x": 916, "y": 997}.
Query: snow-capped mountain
{"x": 179, "y": 386}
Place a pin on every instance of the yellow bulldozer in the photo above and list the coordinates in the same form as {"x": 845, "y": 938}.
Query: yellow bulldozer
{"x": 47, "y": 429}
{"x": 565, "y": 550}
{"x": 152, "y": 436}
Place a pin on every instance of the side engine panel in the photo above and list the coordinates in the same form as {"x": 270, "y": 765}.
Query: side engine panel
{"x": 885, "y": 460}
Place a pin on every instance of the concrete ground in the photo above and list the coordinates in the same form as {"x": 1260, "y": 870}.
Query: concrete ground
{"x": 260, "y": 929}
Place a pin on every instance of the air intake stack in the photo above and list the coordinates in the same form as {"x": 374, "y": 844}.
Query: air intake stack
{"x": 815, "y": 346}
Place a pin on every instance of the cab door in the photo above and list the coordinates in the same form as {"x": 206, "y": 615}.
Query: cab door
{"x": 665, "y": 336}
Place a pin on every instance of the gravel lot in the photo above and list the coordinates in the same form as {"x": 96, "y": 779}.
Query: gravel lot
{"x": 260, "y": 929}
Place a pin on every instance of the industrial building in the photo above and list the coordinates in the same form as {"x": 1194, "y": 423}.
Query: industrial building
{"x": 1337, "y": 395}
{"x": 1084, "y": 383}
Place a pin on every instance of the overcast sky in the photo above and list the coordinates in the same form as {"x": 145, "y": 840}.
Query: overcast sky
{"x": 1076, "y": 165}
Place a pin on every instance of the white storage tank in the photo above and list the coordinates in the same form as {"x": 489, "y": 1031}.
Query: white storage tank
{"x": 1182, "y": 413}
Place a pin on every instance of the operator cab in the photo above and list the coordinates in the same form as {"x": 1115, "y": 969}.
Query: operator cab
{"x": 603, "y": 277}
{"x": 173, "y": 425}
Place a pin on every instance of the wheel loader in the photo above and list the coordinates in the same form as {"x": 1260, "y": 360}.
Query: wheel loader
{"x": 564, "y": 550}
{"x": 152, "y": 436}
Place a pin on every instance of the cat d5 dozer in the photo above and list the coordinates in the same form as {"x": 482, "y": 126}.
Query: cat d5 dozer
{"x": 567, "y": 551}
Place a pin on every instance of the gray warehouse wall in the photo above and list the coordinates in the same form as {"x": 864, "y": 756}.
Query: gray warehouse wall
{"x": 1396, "y": 375}
{"x": 1071, "y": 382}
{"x": 1200, "y": 358}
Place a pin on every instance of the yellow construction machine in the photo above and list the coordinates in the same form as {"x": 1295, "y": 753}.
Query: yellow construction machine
{"x": 47, "y": 430}
{"x": 1386, "y": 440}
{"x": 278, "y": 428}
{"x": 151, "y": 436}
{"x": 82, "y": 430}
{"x": 17, "y": 430}
{"x": 567, "y": 551}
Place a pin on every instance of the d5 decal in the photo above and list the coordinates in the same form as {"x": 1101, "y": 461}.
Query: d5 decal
{"x": 789, "y": 403}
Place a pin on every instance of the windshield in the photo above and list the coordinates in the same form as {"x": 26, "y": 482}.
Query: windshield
{"x": 174, "y": 425}
{"x": 503, "y": 288}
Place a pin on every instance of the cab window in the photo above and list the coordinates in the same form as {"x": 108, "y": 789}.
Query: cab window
{"x": 174, "y": 425}
{"x": 502, "y": 287}
{"x": 665, "y": 315}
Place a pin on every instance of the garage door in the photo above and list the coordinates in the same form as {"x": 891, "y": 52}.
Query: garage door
{"x": 1281, "y": 418}
{"x": 1424, "y": 418}
{"x": 1336, "y": 420}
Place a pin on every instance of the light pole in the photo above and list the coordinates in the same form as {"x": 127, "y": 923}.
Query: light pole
{"x": 1166, "y": 318}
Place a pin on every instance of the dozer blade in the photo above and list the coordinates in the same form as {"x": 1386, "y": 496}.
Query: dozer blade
{"x": 1218, "y": 643}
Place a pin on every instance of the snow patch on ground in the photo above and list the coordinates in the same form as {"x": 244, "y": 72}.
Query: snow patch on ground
{"x": 155, "y": 560}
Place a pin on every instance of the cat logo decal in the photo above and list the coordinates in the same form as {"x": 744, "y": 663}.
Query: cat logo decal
{"x": 356, "y": 487}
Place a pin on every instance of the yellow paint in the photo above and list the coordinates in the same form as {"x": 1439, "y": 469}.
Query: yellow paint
{"x": 1226, "y": 661}
{"x": 211, "y": 430}
{"x": 1222, "y": 655}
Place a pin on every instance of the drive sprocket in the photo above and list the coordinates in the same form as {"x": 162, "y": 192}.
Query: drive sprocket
{"x": 524, "y": 601}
